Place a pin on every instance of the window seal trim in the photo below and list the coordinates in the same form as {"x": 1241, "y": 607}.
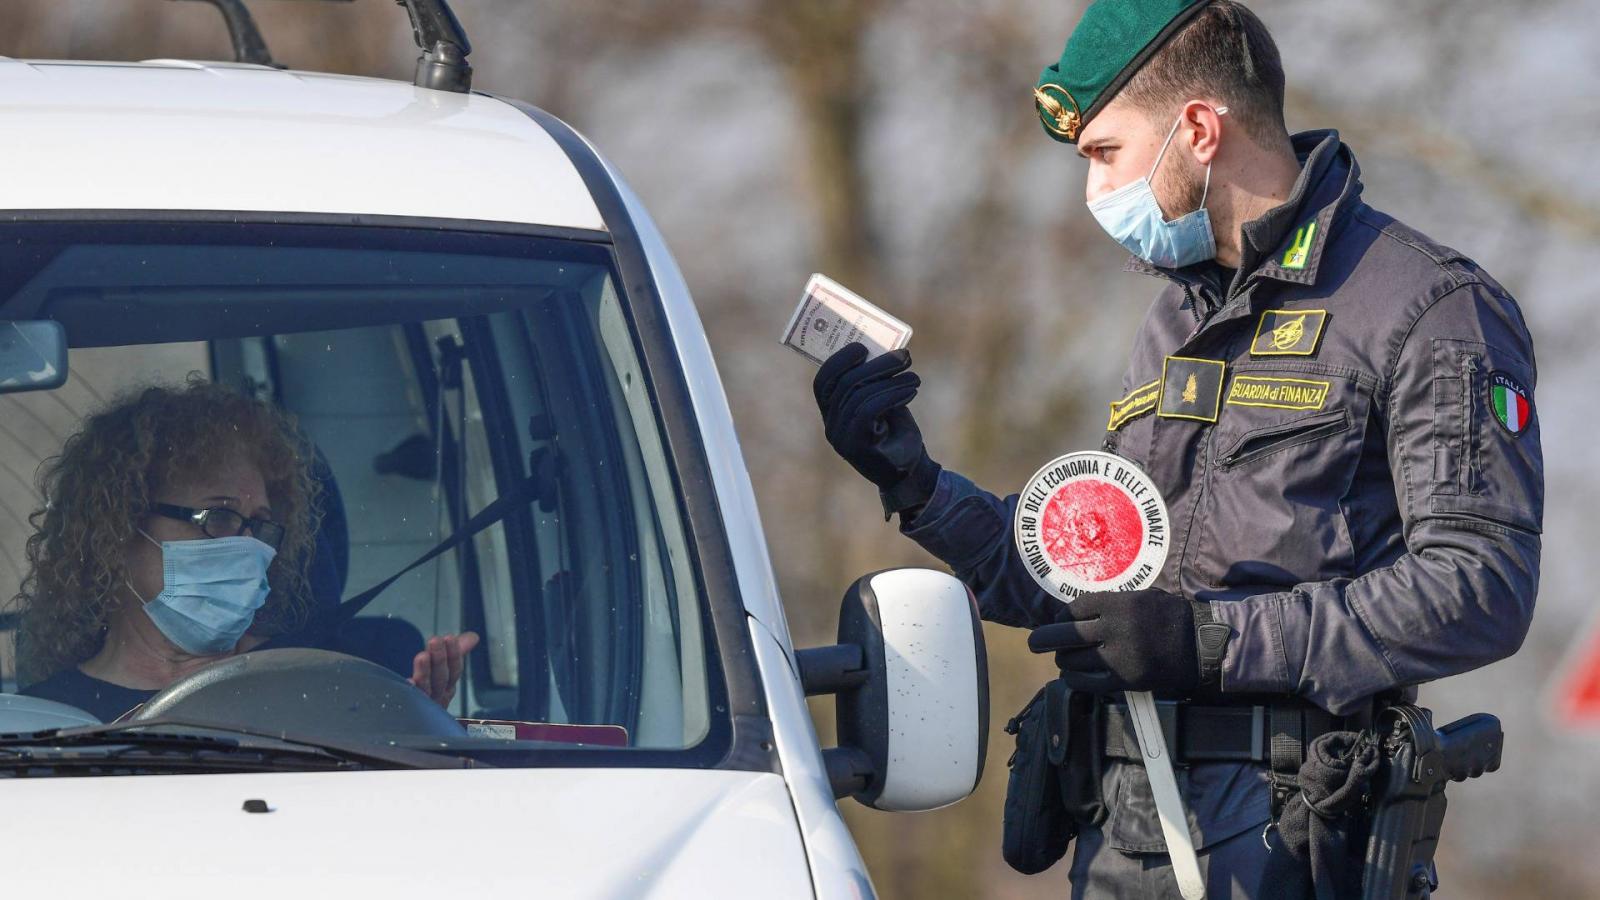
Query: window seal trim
{"x": 262, "y": 217}
{"x": 752, "y": 747}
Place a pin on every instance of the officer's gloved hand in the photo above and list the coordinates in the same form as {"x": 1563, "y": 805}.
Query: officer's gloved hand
{"x": 863, "y": 404}
{"x": 1124, "y": 641}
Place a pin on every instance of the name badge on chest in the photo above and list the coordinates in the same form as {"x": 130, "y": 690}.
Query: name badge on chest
{"x": 1191, "y": 388}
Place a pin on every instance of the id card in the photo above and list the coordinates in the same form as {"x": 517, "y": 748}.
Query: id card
{"x": 831, "y": 316}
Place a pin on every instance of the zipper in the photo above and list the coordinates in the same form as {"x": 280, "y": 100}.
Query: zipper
{"x": 1213, "y": 309}
{"x": 1469, "y": 430}
{"x": 1189, "y": 298}
{"x": 1270, "y": 440}
{"x": 1194, "y": 310}
{"x": 1202, "y": 453}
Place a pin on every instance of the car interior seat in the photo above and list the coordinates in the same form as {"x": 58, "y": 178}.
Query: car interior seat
{"x": 389, "y": 642}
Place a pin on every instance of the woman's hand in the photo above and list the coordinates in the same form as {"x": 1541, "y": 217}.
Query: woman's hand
{"x": 436, "y": 670}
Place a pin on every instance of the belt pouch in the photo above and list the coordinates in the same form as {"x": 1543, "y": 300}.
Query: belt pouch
{"x": 1080, "y": 762}
{"x": 1037, "y": 827}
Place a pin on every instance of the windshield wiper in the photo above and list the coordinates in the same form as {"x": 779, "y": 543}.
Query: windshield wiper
{"x": 148, "y": 743}
{"x": 186, "y": 753}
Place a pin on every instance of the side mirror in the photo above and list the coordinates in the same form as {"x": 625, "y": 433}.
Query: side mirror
{"x": 33, "y": 356}
{"x": 912, "y": 681}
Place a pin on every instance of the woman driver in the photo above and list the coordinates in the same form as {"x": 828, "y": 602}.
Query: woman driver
{"x": 175, "y": 532}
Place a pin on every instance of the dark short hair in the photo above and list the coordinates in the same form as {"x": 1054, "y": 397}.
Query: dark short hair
{"x": 1225, "y": 52}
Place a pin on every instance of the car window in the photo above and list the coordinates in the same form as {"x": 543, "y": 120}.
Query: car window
{"x": 430, "y": 375}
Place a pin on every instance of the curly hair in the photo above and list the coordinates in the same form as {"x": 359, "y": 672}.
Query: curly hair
{"x": 101, "y": 485}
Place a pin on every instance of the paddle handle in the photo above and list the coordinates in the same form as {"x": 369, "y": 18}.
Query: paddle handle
{"x": 1169, "y": 803}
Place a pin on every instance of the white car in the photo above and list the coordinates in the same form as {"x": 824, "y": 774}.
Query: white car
{"x": 475, "y": 322}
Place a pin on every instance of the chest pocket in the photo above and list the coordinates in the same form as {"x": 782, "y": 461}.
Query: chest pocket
{"x": 1283, "y": 454}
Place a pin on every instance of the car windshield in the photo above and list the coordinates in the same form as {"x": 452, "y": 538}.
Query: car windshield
{"x": 478, "y": 396}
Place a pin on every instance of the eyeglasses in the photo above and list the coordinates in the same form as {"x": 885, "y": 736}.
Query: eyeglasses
{"x": 220, "y": 521}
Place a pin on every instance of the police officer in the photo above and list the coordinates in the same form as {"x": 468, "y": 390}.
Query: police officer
{"x": 1338, "y": 410}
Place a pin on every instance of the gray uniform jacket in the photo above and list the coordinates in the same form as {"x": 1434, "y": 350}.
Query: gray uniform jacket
{"x": 1348, "y": 448}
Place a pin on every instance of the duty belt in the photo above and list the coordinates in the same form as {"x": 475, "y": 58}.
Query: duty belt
{"x": 1275, "y": 733}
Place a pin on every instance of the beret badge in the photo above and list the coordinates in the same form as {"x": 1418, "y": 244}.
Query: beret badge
{"x": 1056, "y": 115}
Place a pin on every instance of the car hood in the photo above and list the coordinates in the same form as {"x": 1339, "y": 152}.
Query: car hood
{"x": 527, "y": 832}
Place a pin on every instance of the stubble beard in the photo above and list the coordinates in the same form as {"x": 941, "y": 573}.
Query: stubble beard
{"x": 1184, "y": 186}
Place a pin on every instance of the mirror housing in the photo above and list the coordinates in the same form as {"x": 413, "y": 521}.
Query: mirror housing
{"x": 33, "y": 356}
{"x": 912, "y": 683}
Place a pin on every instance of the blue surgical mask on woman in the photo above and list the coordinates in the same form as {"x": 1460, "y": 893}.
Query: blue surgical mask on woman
{"x": 1131, "y": 215}
{"x": 210, "y": 591}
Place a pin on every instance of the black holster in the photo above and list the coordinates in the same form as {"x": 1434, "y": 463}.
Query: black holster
{"x": 1408, "y": 795}
{"x": 1054, "y": 786}
{"x": 1382, "y": 789}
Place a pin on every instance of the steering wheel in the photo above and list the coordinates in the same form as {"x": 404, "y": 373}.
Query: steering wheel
{"x": 307, "y": 691}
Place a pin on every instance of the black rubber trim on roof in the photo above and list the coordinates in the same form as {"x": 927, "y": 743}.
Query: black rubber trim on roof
{"x": 361, "y": 220}
{"x": 753, "y": 747}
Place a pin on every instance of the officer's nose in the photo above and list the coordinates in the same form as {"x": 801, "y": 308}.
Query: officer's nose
{"x": 1098, "y": 184}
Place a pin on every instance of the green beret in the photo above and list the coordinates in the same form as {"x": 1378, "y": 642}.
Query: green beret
{"x": 1113, "y": 39}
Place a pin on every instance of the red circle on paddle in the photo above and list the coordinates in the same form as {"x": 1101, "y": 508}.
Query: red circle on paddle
{"x": 1092, "y": 529}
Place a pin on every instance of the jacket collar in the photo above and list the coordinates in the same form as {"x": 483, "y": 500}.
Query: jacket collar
{"x": 1286, "y": 242}
{"x": 1289, "y": 239}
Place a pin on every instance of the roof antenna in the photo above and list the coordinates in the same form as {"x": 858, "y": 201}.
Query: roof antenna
{"x": 441, "y": 67}
{"x": 248, "y": 45}
{"x": 443, "y": 64}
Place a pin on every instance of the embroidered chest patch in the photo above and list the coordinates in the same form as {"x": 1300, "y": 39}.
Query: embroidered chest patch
{"x": 1288, "y": 332}
{"x": 1277, "y": 393}
{"x": 1191, "y": 388}
{"x": 1139, "y": 401}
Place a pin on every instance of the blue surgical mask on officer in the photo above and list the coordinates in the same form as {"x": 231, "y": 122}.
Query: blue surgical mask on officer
{"x": 1131, "y": 215}
{"x": 210, "y": 590}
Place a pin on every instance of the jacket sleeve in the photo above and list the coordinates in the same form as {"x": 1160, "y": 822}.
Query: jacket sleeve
{"x": 969, "y": 529}
{"x": 1469, "y": 481}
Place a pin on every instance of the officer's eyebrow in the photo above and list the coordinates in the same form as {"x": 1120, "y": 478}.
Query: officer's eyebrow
{"x": 1097, "y": 143}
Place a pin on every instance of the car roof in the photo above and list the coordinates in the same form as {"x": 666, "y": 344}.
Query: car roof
{"x": 184, "y": 135}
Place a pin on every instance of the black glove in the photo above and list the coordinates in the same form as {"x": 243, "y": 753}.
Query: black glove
{"x": 864, "y": 416}
{"x": 1131, "y": 641}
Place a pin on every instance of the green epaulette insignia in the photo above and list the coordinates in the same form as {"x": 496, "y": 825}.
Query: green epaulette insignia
{"x": 1300, "y": 251}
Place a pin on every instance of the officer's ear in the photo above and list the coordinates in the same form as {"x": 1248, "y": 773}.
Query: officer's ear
{"x": 1201, "y": 130}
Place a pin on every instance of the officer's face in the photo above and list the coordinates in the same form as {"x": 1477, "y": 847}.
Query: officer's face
{"x": 1122, "y": 142}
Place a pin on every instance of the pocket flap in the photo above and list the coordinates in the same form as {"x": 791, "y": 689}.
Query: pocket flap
{"x": 1221, "y": 799}
{"x": 1057, "y": 721}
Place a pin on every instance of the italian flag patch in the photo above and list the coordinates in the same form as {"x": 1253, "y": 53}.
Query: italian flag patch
{"x": 1512, "y": 405}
